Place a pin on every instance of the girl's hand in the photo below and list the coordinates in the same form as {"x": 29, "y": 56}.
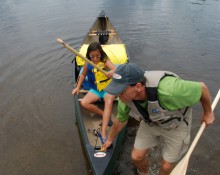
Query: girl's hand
{"x": 111, "y": 67}
{"x": 110, "y": 73}
{"x": 75, "y": 91}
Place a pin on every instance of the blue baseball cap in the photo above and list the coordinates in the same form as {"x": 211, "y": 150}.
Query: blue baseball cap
{"x": 124, "y": 75}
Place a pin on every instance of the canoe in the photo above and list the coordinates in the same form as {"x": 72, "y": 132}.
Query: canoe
{"x": 101, "y": 163}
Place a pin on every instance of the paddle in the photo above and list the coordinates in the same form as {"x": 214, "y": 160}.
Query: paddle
{"x": 80, "y": 55}
{"x": 181, "y": 167}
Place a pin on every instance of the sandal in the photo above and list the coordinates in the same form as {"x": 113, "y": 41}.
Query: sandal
{"x": 110, "y": 123}
{"x": 103, "y": 140}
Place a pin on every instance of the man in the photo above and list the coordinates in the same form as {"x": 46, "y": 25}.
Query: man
{"x": 162, "y": 102}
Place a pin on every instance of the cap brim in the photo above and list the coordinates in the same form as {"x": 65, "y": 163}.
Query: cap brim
{"x": 115, "y": 88}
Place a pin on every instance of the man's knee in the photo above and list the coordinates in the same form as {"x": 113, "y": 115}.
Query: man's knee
{"x": 166, "y": 166}
{"x": 138, "y": 155}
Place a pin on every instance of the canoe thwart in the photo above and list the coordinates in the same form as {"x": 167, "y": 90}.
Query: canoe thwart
{"x": 102, "y": 32}
{"x": 83, "y": 91}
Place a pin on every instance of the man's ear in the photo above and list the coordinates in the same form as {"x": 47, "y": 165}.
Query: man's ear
{"x": 139, "y": 86}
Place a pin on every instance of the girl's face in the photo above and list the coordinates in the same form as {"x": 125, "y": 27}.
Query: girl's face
{"x": 95, "y": 56}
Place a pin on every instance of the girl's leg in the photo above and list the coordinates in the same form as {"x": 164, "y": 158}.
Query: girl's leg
{"x": 87, "y": 103}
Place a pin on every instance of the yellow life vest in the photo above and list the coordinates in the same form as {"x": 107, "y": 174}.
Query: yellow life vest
{"x": 101, "y": 79}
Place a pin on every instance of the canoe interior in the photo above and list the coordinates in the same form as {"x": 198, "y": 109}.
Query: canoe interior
{"x": 86, "y": 122}
{"x": 92, "y": 121}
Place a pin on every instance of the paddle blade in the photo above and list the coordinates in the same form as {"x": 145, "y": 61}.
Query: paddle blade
{"x": 181, "y": 168}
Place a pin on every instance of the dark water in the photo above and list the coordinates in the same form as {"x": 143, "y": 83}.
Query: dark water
{"x": 37, "y": 131}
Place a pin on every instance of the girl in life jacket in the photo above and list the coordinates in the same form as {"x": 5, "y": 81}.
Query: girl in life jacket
{"x": 96, "y": 54}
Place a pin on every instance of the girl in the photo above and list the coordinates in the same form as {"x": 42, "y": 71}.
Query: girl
{"x": 96, "y": 54}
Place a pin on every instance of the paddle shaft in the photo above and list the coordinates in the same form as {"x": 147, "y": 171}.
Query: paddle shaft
{"x": 203, "y": 125}
{"x": 80, "y": 55}
{"x": 181, "y": 167}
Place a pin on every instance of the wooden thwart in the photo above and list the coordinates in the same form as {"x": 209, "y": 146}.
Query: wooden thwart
{"x": 83, "y": 91}
{"x": 93, "y": 34}
{"x": 95, "y": 31}
{"x": 104, "y": 32}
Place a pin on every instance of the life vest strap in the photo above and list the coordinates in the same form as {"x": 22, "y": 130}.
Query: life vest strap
{"x": 102, "y": 81}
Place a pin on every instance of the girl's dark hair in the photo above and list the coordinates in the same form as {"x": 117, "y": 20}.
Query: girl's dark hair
{"x": 96, "y": 46}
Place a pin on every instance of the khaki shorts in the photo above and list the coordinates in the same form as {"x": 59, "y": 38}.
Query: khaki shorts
{"x": 175, "y": 142}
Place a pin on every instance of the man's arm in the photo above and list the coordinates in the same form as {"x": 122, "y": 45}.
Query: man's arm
{"x": 208, "y": 115}
{"x": 115, "y": 129}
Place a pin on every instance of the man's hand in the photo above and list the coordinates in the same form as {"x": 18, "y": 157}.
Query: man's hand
{"x": 208, "y": 118}
{"x": 115, "y": 129}
{"x": 106, "y": 145}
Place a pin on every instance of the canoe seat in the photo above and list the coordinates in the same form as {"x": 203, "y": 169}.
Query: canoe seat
{"x": 116, "y": 53}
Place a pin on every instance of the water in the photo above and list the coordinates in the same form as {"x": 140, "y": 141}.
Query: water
{"x": 37, "y": 130}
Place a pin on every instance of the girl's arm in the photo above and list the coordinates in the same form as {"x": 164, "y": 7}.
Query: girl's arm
{"x": 111, "y": 67}
{"x": 81, "y": 79}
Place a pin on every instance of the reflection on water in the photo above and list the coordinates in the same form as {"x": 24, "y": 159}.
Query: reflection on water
{"x": 37, "y": 130}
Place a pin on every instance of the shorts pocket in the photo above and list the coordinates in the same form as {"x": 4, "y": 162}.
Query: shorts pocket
{"x": 185, "y": 146}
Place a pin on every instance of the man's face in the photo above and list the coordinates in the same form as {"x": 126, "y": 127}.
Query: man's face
{"x": 128, "y": 94}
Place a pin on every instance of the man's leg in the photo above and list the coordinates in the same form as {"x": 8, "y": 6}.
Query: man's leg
{"x": 176, "y": 143}
{"x": 166, "y": 168}
{"x": 139, "y": 158}
{"x": 146, "y": 137}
